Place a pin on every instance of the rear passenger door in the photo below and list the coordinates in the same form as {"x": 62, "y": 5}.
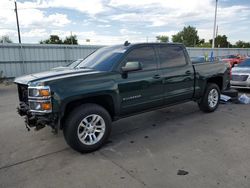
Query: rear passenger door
{"x": 177, "y": 73}
{"x": 142, "y": 89}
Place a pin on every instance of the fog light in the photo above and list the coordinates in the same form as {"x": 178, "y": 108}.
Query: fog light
{"x": 46, "y": 106}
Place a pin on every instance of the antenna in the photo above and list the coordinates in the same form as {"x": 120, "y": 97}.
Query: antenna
{"x": 126, "y": 43}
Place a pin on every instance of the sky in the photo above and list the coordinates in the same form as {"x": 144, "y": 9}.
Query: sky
{"x": 107, "y": 22}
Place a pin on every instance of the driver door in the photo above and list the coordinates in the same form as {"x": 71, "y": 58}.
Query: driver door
{"x": 141, "y": 90}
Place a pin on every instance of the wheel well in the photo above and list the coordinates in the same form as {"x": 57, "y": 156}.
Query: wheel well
{"x": 105, "y": 101}
{"x": 216, "y": 80}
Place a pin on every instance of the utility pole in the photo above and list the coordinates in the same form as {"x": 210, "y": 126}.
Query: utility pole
{"x": 217, "y": 28}
{"x": 17, "y": 22}
{"x": 71, "y": 37}
{"x": 19, "y": 39}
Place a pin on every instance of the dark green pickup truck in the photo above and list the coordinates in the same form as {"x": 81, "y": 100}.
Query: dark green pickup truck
{"x": 115, "y": 82}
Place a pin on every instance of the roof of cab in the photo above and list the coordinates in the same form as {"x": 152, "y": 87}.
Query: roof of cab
{"x": 154, "y": 44}
{"x": 132, "y": 45}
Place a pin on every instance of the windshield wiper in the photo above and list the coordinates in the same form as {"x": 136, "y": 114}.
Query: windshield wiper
{"x": 83, "y": 68}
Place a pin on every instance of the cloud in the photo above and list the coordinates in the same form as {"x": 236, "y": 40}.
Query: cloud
{"x": 35, "y": 33}
{"x": 231, "y": 21}
{"x": 167, "y": 33}
{"x": 114, "y": 21}
{"x": 30, "y": 17}
{"x": 86, "y": 6}
{"x": 180, "y": 13}
{"x": 34, "y": 23}
{"x": 125, "y": 31}
{"x": 99, "y": 39}
{"x": 109, "y": 39}
{"x": 9, "y": 32}
{"x": 178, "y": 4}
{"x": 164, "y": 12}
{"x": 39, "y": 19}
{"x": 104, "y": 26}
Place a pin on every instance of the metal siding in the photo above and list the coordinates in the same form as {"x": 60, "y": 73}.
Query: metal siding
{"x": 217, "y": 51}
{"x": 41, "y": 57}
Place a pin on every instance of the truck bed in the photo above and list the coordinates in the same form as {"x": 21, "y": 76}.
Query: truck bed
{"x": 208, "y": 70}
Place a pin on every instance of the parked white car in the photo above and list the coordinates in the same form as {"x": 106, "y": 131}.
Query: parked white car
{"x": 241, "y": 75}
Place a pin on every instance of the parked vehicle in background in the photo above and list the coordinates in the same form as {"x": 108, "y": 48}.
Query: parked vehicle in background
{"x": 116, "y": 82}
{"x": 241, "y": 75}
{"x": 232, "y": 59}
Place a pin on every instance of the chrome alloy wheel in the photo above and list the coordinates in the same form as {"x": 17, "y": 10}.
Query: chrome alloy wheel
{"x": 91, "y": 129}
{"x": 213, "y": 98}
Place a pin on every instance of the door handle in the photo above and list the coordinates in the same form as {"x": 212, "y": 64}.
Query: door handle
{"x": 188, "y": 72}
{"x": 157, "y": 76}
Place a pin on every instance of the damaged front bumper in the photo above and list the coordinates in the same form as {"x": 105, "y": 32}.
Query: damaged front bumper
{"x": 37, "y": 120}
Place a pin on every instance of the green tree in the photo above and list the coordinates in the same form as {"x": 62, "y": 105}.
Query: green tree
{"x": 188, "y": 36}
{"x": 162, "y": 38}
{"x": 205, "y": 45}
{"x": 202, "y": 41}
{"x": 71, "y": 40}
{"x": 178, "y": 37}
{"x": 53, "y": 39}
{"x": 242, "y": 44}
{"x": 5, "y": 39}
{"x": 221, "y": 42}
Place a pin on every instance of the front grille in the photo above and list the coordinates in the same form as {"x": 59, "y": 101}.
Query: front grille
{"x": 23, "y": 93}
{"x": 239, "y": 77}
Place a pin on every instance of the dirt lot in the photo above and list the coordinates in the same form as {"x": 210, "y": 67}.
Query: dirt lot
{"x": 144, "y": 151}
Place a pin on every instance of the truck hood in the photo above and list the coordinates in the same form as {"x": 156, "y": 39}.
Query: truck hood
{"x": 52, "y": 74}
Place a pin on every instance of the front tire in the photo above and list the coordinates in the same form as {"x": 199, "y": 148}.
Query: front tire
{"x": 211, "y": 98}
{"x": 87, "y": 128}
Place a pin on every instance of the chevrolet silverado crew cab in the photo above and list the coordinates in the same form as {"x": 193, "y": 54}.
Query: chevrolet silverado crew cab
{"x": 116, "y": 82}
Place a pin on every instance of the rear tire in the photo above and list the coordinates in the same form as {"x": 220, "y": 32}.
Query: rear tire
{"x": 211, "y": 98}
{"x": 87, "y": 128}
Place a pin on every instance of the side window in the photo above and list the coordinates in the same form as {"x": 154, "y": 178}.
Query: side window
{"x": 144, "y": 55}
{"x": 171, "y": 56}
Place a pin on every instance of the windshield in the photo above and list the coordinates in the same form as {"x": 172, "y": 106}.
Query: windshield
{"x": 74, "y": 63}
{"x": 102, "y": 59}
{"x": 245, "y": 63}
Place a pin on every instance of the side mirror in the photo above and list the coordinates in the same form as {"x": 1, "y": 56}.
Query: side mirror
{"x": 132, "y": 66}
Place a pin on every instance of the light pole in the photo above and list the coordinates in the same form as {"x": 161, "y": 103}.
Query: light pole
{"x": 215, "y": 16}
